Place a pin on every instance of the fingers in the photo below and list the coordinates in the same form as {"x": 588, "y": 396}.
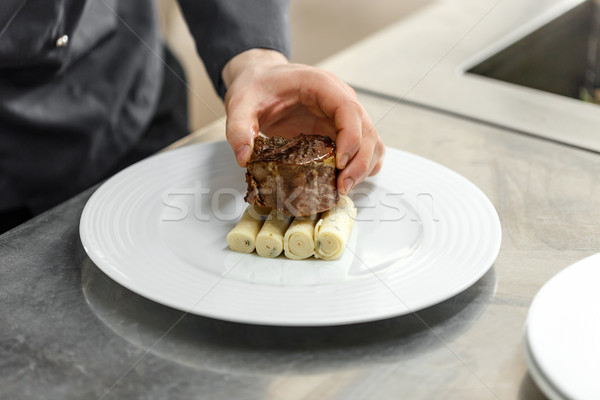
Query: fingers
{"x": 241, "y": 129}
{"x": 338, "y": 101}
{"x": 292, "y": 99}
{"x": 359, "y": 149}
{"x": 368, "y": 159}
{"x": 359, "y": 166}
{"x": 377, "y": 160}
{"x": 349, "y": 124}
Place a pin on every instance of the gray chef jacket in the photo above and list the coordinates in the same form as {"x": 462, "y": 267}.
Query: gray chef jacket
{"x": 80, "y": 80}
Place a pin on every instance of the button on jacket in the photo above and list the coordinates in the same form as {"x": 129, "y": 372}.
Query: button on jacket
{"x": 79, "y": 82}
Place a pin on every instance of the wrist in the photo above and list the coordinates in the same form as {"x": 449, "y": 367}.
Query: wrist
{"x": 253, "y": 60}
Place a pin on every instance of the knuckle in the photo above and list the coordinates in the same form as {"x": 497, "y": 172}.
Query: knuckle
{"x": 369, "y": 133}
{"x": 328, "y": 74}
{"x": 376, "y": 168}
{"x": 350, "y": 91}
{"x": 233, "y": 132}
{"x": 354, "y": 144}
{"x": 380, "y": 147}
{"x": 356, "y": 106}
{"x": 325, "y": 77}
{"x": 233, "y": 97}
{"x": 233, "y": 127}
{"x": 363, "y": 164}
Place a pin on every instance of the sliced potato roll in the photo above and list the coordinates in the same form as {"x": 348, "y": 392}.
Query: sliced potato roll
{"x": 299, "y": 241}
{"x": 333, "y": 229}
{"x": 269, "y": 241}
{"x": 242, "y": 238}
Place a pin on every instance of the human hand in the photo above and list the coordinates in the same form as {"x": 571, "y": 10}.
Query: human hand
{"x": 266, "y": 93}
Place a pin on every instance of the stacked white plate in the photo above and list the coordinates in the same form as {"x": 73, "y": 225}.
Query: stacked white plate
{"x": 562, "y": 336}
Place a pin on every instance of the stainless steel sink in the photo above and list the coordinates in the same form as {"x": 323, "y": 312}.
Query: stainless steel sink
{"x": 518, "y": 64}
{"x": 559, "y": 57}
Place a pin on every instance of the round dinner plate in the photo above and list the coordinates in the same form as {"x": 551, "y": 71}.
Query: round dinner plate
{"x": 422, "y": 235}
{"x": 562, "y": 336}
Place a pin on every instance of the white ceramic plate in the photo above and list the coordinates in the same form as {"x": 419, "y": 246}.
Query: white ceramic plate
{"x": 422, "y": 235}
{"x": 562, "y": 337}
{"x": 538, "y": 376}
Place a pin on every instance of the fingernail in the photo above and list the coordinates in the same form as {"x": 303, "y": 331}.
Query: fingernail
{"x": 348, "y": 183}
{"x": 344, "y": 161}
{"x": 243, "y": 154}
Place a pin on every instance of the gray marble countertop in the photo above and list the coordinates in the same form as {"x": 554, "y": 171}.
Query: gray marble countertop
{"x": 68, "y": 331}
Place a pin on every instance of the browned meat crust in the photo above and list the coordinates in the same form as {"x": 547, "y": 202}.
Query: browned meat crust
{"x": 297, "y": 176}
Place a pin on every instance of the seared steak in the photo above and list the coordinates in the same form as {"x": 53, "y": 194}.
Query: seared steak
{"x": 296, "y": 176}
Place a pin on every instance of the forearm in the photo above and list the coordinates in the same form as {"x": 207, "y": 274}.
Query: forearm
{"x": 223, "y": 29}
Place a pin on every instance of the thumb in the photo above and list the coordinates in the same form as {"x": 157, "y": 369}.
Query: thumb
{"x": 241, "y": 129}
